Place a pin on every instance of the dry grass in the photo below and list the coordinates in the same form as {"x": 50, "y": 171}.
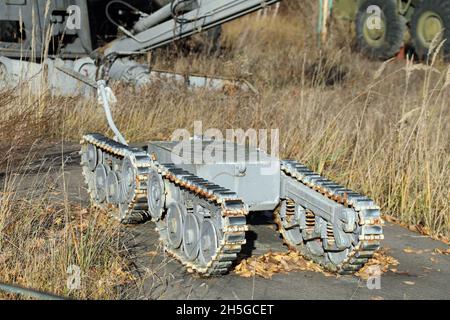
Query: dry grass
{"x": 43, "y": 234}
{"x": 381, "y": 129}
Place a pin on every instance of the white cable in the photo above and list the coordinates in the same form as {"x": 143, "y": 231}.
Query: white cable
{"x": 105, "y": 97}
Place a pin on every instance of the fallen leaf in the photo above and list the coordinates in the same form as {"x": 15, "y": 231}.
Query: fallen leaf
{"x": 380, "y": 263}
{"x": 417, "y": 228}
{"x": 389, "y": 218}
{"x": 152, "y": 253}
{"x": 410, "y": 250}
{"x": 271, "y": 263}
{"x": 376, "y": 298}
{"x": 423, "y": 230}
{"x": 442, "y": 251}
{"x": 411, "y": 283}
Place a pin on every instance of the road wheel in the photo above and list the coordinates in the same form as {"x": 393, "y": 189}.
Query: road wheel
{"x": 379, "y": 29}
{"x": 431, "y": 18}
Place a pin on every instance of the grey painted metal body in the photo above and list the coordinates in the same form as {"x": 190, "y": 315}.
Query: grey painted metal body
{"x": 77, "y": 77}
{"x": 28, "y": 48}
{"x": 250, "y": 172}
{"x": 247, "y": 172}
{"x": 198, "y": 191}
{"x": 36, "y": 17}
{"x": 209, "y": 14}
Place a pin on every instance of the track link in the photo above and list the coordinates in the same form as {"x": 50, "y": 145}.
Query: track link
{"x": 229, "y": 209}
{"x": 134, "y": 209}
{"x": 225, "y": 210}
{"x": 370, "y": 230}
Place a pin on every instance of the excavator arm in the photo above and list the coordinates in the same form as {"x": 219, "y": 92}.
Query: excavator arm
{"x": 110, "y": 60}
{"x": 152, "y": 32}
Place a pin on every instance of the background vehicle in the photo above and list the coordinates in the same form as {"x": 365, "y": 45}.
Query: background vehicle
{"x": 383, "y": 27}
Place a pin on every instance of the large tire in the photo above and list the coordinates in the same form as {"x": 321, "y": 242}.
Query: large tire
{"x": 429, "y": 18}
{"x": 384, "y": 42}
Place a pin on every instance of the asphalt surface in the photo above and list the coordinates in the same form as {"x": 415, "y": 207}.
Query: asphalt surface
{"x": 421, "y": 274}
